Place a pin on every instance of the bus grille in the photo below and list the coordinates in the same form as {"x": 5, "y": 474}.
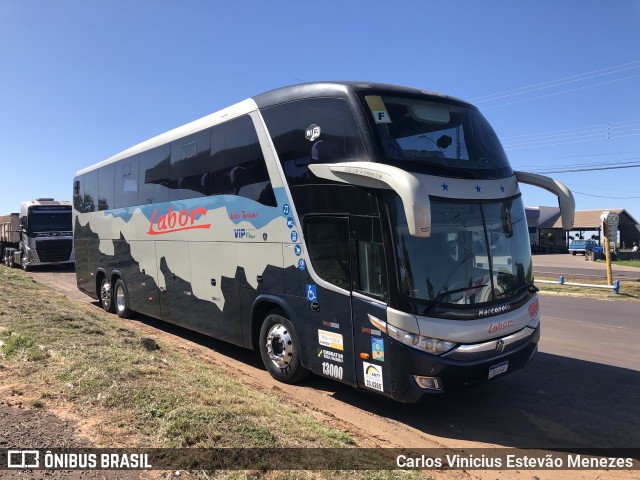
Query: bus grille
{"x": 54, "y": 250}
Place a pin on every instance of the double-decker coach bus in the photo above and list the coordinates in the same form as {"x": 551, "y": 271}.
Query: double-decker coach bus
{"x": 369, "y": 233}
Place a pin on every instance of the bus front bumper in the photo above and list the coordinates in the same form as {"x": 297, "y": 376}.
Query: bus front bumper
{"x": 418, "y": 374}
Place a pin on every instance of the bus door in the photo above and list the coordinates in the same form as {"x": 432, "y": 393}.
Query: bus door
{"x": 369, "y": 307}
{"x": 329, "y": 334}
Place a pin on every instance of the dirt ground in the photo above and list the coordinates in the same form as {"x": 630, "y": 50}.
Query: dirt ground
{"x": 25, "y": 427}
{"x": 21, "y": 425}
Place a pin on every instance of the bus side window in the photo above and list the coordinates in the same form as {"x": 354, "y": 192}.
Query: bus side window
{"x": 90, "y": 200}
{"x": 316, "y": 130}
{"x": 106, "y": 187}
{"x": 127, "y": 182}
{"x": 154, "y": 175}
{"x": 328, "y": 243}
{"x": 237, "y": 164}
{"x": 189, "y": 165}
{"x": 78, "y": 193}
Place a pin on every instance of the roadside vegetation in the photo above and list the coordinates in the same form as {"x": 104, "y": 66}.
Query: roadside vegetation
{"x": 629, "y": 290}
{"x": 624, "y": 263}
{"x": 58, "y": 353}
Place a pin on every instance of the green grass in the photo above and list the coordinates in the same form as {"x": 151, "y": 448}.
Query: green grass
{"x": 74, "y": 353}
{"x": 624, "y": 263}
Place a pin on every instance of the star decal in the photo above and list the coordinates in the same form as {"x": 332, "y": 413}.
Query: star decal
{"x": 445, "y": 187}
{"x": 478, "y": 188}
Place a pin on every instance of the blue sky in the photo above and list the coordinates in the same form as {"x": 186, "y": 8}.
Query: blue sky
{"x": 83, "y": 80}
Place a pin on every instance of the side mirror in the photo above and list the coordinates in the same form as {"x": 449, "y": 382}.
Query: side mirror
{"x": 565, "y": 197}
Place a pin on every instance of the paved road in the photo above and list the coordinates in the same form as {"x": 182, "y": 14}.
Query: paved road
{"x": 605, "y": 332}
{"x": 559, "y": 264}
{"x": 582, "y": 390}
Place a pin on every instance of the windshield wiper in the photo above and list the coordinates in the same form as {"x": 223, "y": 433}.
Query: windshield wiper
{"x": 442, "y": 295}
{"x": 530, "y": 286}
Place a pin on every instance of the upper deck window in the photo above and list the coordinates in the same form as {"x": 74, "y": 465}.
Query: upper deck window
{"x": 317, "y": 130}
{"x": 436, "y": 138}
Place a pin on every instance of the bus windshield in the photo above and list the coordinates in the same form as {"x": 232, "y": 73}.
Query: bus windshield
{"x": 436, "y": 138}
{"x": 50, "y": 220}
{"x": 477, "y": 253}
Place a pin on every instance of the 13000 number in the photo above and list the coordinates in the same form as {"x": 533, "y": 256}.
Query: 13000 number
{"x": 332, "y": 370}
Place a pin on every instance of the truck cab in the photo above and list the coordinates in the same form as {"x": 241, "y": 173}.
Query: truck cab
{"x": 582, "y": 246}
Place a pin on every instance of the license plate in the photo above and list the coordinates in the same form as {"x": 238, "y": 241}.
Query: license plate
{"x": 498, "y": 369}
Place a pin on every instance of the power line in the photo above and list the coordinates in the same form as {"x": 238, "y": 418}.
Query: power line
{"x": 590, "y": 138}
{"x": 627, "y": 128}
{"x": 603, "y": 196}
{"x": 560, "y": 81}
{"x": 575, "y": 129}
{"x": 625, "y": 161}
{"x": 559, "y": 93}
{"x": 598, "y": 154}
{"x": 590, "y": 169}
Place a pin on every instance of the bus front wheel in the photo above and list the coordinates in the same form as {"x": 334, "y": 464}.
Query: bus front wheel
{"x": 280, "y": 349}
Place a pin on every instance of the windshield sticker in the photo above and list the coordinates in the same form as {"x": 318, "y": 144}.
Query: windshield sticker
{"x": 377, "y": 349}
{"x": 378, "y": 109}
{"x": 373, "y": 376}
{"x": 330, "y": 339}
{"x": 312, "y": 132}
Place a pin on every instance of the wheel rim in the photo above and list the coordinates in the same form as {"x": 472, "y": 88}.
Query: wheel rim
{"x": 280, "y": 346}
{"x": 120, "y": 298}
{"x": 105, "y": 294}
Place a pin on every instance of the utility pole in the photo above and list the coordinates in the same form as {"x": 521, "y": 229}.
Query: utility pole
{"x": 610, "y": 230}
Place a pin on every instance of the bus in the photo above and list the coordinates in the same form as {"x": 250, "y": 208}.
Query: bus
{"x": 369, "y": 233}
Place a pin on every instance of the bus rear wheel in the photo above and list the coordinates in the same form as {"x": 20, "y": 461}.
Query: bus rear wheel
{"x": 121, "y": 299}
{"x": 280, "y": 349}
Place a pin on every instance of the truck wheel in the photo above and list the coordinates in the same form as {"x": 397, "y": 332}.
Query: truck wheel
{"x": 106, "y": 296}
{"x": 121, "y": 299}
{"x": 23, "y": 261}
{"x": 280, "y": 349}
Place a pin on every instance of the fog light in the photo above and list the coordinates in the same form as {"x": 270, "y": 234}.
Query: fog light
{"x": 428, "y": 383}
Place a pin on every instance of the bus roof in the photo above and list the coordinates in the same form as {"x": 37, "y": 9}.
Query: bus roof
{"x": 340, "y": 88}
{"x": 240, "y": 108}
{"x": 267, "y": 99}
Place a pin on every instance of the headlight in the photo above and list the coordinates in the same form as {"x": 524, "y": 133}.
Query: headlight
{"x": 434, "y": 346}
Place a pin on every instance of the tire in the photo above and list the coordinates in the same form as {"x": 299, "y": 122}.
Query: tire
{"x": 23, "y": 262}
{"x": 280, "y": 349}
{"x": 121, "y": 299}
{"x": 573, "y": 253}
{"x": 106, "y": 296}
